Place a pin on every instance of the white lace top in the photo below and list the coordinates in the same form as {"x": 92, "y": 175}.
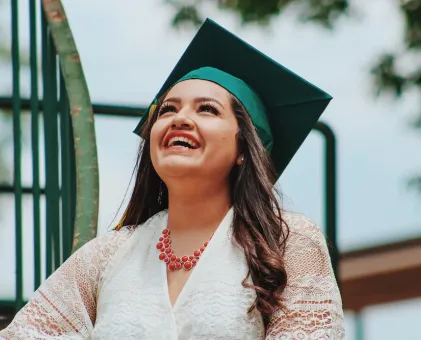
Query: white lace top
{"x": 115, "y": 287}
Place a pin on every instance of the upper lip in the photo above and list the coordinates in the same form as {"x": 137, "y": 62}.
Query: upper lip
{"x": 173, "y": 134}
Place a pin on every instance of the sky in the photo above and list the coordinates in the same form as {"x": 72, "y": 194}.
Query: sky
{"x": 128, "y": 50}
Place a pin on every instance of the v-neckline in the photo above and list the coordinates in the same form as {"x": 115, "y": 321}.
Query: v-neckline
{"x": 215, "y": 239}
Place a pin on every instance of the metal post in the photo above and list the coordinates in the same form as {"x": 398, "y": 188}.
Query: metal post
{"x": 330, "y": 193}
{"x": 359, "y": 326}
{"x": 17, "y": 153}
{"x": 49, "y": 75}
{"x": 67, "y": 172}
{"x": 34, "y": 104}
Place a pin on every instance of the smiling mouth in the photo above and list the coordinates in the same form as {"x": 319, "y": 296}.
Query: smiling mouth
{"x": 181, "y": 142}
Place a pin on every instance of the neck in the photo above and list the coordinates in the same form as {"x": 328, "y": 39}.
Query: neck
{"x": 196, "y": 207}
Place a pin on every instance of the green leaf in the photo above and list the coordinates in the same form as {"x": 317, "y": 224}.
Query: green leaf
{"x": 187, "y": 15}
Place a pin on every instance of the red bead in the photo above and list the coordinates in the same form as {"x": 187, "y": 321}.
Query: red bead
{"x": 172, "y": 266}
{"x": 174, "y": 262}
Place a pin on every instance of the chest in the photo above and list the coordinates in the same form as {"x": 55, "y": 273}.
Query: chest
{"x": 176, "y": 281}
{"x": 137, "y": 301}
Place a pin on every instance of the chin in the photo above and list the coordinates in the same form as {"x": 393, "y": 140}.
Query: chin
{"x": 176, "y": 168}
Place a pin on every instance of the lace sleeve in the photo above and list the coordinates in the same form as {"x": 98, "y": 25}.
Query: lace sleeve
{"x": 64, "y": 307}
{"x": 313, "y": 306}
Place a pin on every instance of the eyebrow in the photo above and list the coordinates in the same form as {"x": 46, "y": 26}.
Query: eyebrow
{"x": 196, "y": 100}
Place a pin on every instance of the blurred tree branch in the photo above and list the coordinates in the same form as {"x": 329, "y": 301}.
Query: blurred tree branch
{"x": 323, "y": 12}
{"x": 386, "y": 75}
{"x": 388, "y": 78}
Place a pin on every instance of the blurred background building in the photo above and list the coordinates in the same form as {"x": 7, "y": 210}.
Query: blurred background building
{"x": 365, "y": 53}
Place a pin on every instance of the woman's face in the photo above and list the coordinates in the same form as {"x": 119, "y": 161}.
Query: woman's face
{"x": 195, "y": 134}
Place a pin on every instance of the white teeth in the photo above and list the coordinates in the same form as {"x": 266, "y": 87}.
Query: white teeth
{"x": 181, "y": 139}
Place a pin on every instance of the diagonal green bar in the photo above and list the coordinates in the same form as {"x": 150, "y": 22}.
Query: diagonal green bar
{"x": 87, "y": 177}
{"x": 34, "y": 105}
{"x": 17, "y": 153}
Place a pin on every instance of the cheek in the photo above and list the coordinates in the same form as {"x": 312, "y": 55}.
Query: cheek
{"x": 223, "y": 141}
{"x": 154, "y": 136}
{"x": 157, "y": 133}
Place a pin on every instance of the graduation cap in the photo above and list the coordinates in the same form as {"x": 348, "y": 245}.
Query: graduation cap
{"x": 282, "y": 106}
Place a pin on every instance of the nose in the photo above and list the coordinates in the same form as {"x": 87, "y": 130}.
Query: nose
{"x": 181, "y": 121}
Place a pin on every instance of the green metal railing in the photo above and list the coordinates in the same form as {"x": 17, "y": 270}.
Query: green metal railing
{"x": 330, "y": 193}
{"x": 60, "y": 160}
{"x": 17, "y": 151}
{"x": 34, "y": 109}
{"x": 59, "y": 190}
{"x": 82, "y": 120}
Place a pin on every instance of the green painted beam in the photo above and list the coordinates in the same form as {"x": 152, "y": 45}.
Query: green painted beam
{"x": 87, "y": 177}
{"x": 34, "y": 108}
{"x": 17, "y": 153}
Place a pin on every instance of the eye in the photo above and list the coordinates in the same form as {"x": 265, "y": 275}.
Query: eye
{"x": 208, "y": 107}
{"x": 166, "y": 108}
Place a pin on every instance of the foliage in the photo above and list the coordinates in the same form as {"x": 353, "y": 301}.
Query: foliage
{"x": 325, "y": 12}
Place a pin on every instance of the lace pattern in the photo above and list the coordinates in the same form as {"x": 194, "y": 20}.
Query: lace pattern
{"x": 121, "y": 282}
{"x": 64, "y": 307}
{"x": 313, "y": 306}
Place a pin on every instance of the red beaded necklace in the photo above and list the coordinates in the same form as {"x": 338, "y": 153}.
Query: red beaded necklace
{"x": 173, "y": 262}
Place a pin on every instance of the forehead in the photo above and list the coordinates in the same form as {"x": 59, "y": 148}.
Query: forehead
{"x": 194, "y": 88}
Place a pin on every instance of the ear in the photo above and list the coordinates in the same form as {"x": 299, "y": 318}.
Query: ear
{"x": 240, "y": 159}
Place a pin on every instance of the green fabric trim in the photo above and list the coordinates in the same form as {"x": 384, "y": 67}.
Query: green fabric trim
{"x": 244, "y": 93}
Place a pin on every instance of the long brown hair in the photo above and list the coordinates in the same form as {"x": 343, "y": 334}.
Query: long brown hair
{"x": 258, "y": 226}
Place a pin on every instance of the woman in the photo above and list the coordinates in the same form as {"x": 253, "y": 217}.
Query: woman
{"x": 204, "y": 250}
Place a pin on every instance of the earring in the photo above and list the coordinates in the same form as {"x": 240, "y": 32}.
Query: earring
{"x": 240, "y": 160}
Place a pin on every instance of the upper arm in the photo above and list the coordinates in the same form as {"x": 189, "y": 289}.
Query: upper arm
{"x": 312, "y": 302}
{"x": 65, "y": 304}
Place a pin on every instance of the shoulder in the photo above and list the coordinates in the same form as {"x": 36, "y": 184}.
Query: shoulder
{"x": 120, "y": 235}
{"x": 301, "y": 225}
{"x": 103, "y": 247}
{"x": 108, "y": 243}
{"x": 297, "y": 221}
{"x": 114, "y": 237}
{"x": 305, "y": 236}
